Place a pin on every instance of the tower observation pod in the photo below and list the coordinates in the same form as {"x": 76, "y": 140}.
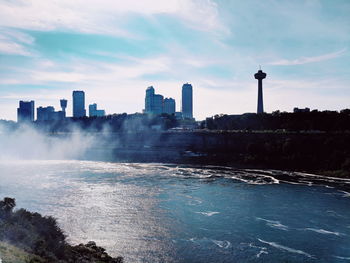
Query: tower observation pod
{"x": 260, "y": 75}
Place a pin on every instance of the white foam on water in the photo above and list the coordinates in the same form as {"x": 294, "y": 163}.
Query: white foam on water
{"x": 222, "y": 244}
{"x": 209, "y": 213}
{"x": 288, "y": 249}
{"x": 344, "y": 258}
{"x": 325, "y": 232}
{"x": 346, "y": 194}
{"x": 324, "y": 177}
{"x": 274, "y": 224}
{"x": 261, "y": 252}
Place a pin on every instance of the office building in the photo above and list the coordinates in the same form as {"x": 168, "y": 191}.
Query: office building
{"x": 187, "y": 101}
{"x": 169, "y": 106}
{"x": 25, "y": 112}
{"x": 153, "y": 102}
{"x": 157, "y": 104}
{"x": 44, "y": 113}
{"x": 260, "y": 75}
{"x": 79, "y": 104}
{"x": 94, "y": 112}
{"x": 49, "y": 114}
{"x": 149, "y": 99}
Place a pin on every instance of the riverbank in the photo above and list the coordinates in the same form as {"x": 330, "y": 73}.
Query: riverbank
{"x": 320, "y": 153}
{"x": 31, "y": 237}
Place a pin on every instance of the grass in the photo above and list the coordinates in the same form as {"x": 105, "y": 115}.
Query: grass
{"x": 12, "y": 254}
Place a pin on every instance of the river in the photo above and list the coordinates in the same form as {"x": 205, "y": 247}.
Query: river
{"x": 173, "y": 213}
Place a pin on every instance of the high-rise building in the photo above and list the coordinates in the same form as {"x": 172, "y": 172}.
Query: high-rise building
{"x": 260, "y": 75}
{"x": 94, "y": 112}
{"x": 169, "y": 106}
{"x": 149, "y": 99}
{"x": 25, "y": 112}
{"x": 63, "y": 103}
{"x": 187, "y": 101}
{"x": 153, "y": 102}
{"x": 78, "y": 104}
{"x": 49, "y": 114}
{"x": 157, "y": 104}
{"x": 44, "y": 113}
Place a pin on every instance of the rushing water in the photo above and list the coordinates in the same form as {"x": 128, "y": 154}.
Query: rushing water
{"x": 169, "y": 213}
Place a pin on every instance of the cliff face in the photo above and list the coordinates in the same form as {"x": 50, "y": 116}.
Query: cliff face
{"x": 295, "y": 151}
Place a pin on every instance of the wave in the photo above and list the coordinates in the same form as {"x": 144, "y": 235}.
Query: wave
{"x": 274, "y": 224}
{"x": 209, "y": 213}
{"x": 288, "y": 249}
{"x": 343, "y": 258}
{"x": 222, "y": 244}
{"x": 261, "y": 252}
{"x": 325, "y": 232}
{"x": 249, "y": 176}
{"x": 345, "y": 194}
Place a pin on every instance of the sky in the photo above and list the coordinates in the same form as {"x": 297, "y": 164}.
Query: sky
{"x": 115, "y": 49}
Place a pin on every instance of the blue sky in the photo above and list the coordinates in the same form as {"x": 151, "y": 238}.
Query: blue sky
{"x": 114, "y": 50}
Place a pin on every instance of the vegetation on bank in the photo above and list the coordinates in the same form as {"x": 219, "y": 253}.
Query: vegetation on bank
{"x": 325, "y": 121}
{"x": 30, "y": 237}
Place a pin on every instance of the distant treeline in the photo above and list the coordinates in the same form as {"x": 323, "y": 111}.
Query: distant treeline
{"x": 299, "y": 121}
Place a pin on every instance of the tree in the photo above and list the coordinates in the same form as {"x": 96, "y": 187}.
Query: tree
{"x": 7, "y": 204}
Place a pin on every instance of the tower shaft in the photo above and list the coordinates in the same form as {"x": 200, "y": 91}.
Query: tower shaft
{"x": 260, "y": 97}
{"x": 260, "y": 75}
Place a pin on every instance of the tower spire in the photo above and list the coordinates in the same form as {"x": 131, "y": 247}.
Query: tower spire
{"x": 260, "y": 75}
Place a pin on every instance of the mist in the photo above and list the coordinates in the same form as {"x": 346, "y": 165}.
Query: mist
{"x": 28, "y": 143}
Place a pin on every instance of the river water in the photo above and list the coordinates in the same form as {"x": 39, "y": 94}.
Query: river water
{"x": 170, "y": 213}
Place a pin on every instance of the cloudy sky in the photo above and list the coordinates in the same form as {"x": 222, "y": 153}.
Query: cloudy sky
{"x": 115, "y": 49}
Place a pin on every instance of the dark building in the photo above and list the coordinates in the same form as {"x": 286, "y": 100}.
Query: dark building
{"x": 78, "y": 104}
{"x": 295, "y": 110}
{"x": 25, "y": 112}
{"x": 260, "y": 75}
{"x": 187, "y": 101}
{"x": 63, "y": 103}
{"x": 44, "y": 113}
{"x": 94, "y": 112}
{"x": 49, "y": 114}
{"x": 169, "y": 106}
{"x": 153, "y": 102}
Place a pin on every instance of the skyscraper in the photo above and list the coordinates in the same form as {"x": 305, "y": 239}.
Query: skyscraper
{"x": 187, "y": 101}
{"x": 149, "y": 99}
{"x": 79, "y": 104}
{"x": 260, "y": 75}
{"x": 45, "y": 113}
{"x": 157, "y": 104}
{"x": 169, "y": 106}
{"x": 25, "y": 112}
{"x": 153, "y": 102}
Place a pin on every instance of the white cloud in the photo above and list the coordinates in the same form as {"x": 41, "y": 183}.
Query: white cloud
{"x": 13, "y": 42}
{"x": 103, "y": 16}
{"x": 306, "y": 60}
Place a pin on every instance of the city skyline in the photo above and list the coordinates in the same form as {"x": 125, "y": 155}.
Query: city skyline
{"x": 113, "y": 50}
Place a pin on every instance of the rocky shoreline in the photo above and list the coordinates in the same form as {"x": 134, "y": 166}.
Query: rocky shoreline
{"x": 30, "y": 237}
